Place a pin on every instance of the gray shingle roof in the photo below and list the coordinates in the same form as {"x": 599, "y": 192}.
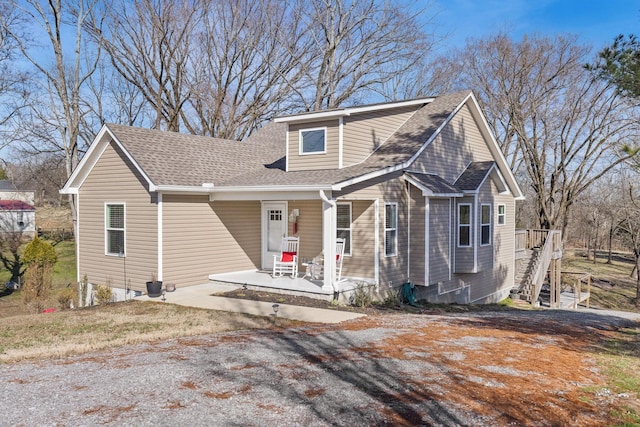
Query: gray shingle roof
{"x": 473, "y": 175}
{"x": 434, "y": 183}
{"x": 170, "y": 158}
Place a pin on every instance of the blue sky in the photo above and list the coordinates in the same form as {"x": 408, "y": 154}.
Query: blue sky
{"x": 595, "y": 22}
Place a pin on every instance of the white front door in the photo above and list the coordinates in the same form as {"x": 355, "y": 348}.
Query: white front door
{"x": 274, "y": 228}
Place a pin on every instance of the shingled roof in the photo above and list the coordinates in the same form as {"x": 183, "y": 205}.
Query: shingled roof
{"x": 474, "y": 175}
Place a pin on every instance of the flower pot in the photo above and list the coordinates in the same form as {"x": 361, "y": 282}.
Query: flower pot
{"x": 154, "y": 289}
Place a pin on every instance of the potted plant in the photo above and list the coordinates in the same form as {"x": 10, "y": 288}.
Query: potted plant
{"x": 154, "y": 287}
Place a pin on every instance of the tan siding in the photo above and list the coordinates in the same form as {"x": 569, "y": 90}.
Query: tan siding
{"x": 390, "y": 188}
{"x": 459, "y": 144}
{"x": 439, "y": 240}
{"x": 464, "y": 256}
{"x": 309, "y": 227}
{"x": 238, "y": 236}
{"x": 328, "y": 160}
{"x": 364, "y": 133}
{"x": 202, "y": 238}
{"x": 491, "y": 284}
{"x": 417, "y": 246}
{"x": 361, "y": 261}
{"x": 113, "y": 180}
{"x": 485, "y": 197}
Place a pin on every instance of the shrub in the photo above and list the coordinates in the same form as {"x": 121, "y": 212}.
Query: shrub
{"x": 40, "y": 258}
{"x": 103, "y": 294}
{"x": 362, "y": 296}
{"x": 65, "y": 297}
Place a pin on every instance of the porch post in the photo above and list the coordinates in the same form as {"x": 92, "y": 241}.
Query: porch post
{"x": 329, "y": 242}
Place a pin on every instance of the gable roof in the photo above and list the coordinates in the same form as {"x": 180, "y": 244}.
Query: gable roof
{"x": 475, "y": 175}
{"x": 177, "y": 162}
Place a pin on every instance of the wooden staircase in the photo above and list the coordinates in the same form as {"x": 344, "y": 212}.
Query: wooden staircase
{"x": 537, "y": 252}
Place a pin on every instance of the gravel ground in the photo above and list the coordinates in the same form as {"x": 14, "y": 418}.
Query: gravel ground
{"x": 393, "y": 369}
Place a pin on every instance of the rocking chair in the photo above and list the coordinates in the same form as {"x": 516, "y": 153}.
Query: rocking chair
{"x": 287, "y": 261}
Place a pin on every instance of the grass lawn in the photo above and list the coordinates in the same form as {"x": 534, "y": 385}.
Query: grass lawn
{"x": 64, "y": 275}
{"x": 69, "y": 332}
{"x": 611, "y": 286}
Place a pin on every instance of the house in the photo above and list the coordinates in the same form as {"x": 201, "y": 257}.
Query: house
{"x": 17, "y": 213}
{"x": 419, "y": 190}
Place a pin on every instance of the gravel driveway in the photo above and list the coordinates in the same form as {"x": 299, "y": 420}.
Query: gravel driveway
{"x": 473, "y": 369}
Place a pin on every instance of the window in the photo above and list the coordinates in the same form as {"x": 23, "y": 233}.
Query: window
{"x": 114, "y": 229}
{"x": 390, "y": 229}
{"x": 343, "y": 225}
{"x": 485, "y": 225}
{"x": 502, "y": 214}
{"x": 312, "y": 141}
{"x": 464, "y": 225}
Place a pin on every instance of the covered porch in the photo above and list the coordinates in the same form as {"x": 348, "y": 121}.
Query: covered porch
{"x": 302, "y": 284}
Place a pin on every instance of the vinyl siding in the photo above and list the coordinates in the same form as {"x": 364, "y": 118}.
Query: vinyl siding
{"x": 489, "y": 284}
{"x": 361, "y": 261}
{"x": 328, "y": 160}
{"x": 439, "y": 240}
{"x": 202, "y": 238}
{"x": 464, "y": 256}
{"x": 364, "y": 133}
{"x": 417, "y": 244}
{"x": 390, "y": 188}
{"x": 113, "y": 180}
{"x": 309, "y": 227}
{"x": 458, "y": 144}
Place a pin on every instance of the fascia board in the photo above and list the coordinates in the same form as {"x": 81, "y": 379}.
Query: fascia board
{"x": 349, "y": 111}
{"x": 496, "y": 151}
{"x": 87, "y": 162}
{"x": 427, "y": 192}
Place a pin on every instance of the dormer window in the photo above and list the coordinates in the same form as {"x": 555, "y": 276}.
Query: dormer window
{"x": 313, "y": 141}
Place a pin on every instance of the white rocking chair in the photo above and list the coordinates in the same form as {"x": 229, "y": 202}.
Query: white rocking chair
{"x": 339, "y": 257}
{"x": 287, "y": 261}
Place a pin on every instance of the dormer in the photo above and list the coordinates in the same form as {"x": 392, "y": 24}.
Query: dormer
{"x": 343, "y": 137}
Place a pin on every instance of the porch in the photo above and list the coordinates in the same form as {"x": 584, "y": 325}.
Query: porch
{"x": 300, "y": 285}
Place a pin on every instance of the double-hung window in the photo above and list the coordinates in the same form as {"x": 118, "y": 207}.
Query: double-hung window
{"x": 502, "y": 214}
{"x": 114, "y": 228}
{"x": 343, "y": 225}
{"x": 390, "y": 229}
{"x": 485, "y": 225}
{"x": 313, "y": 141}
{"x": 464, "y": 225}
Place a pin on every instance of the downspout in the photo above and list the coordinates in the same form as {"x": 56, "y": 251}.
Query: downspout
{"x": 329, "y": 258}
{"x": 160, "y": 239}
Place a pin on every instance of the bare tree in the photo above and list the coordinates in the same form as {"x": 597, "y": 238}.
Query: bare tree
{"x": 554, "y": 119}
{"x": 359, "y": 46}
{"x": 13, "y": 82}
{"x": 149, "y": 43}
{"x": 630, "y": 229}
{"x": 55, "y": 119}
{"x": 250, "y": 61}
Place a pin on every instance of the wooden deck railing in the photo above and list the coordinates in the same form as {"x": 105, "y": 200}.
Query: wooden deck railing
{"x": 550, "y": 244}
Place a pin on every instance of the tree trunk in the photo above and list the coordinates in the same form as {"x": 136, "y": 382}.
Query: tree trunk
{"x": 610, "y": 244}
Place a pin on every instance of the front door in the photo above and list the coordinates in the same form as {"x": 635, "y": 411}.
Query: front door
{"x": 274, "y": 228}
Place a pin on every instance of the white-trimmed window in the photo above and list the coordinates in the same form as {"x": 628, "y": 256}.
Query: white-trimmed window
{"x": 390, "y": 229}
{"x": 343, "y": 225}
{"x": 464, "y": 225}
{"x": 502, "y": 214}
{"x": 485, "y": 225}
{"x": 114, "y": 228}
{"x": 313, "y": 141}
